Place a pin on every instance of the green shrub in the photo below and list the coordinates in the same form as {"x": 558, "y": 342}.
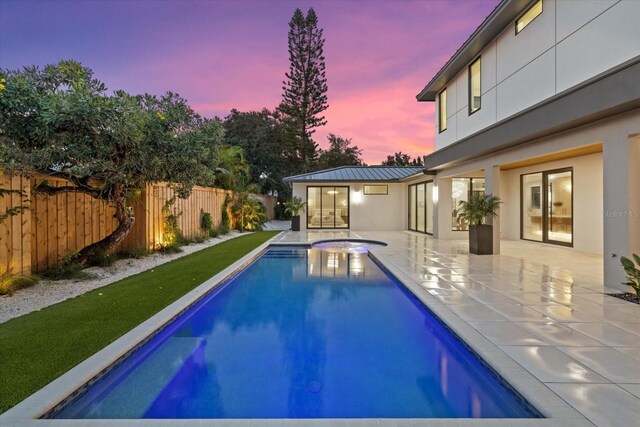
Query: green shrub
{"x": 135, "y": 253}
{"x": 225, "y": 223}
{"x": 103, "y": 258}
{"x": 68, "y": 268}
{"x": 249, "y": 214}
{"x": 206, "y": 223}
{"x": 173, "y": 248}
{"x": 171, "y": 233}
{"x": 9, "y": 283}
{"x": 633, "y": 272}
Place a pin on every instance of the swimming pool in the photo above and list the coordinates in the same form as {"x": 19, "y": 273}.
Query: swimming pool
{"x": 302, "y": 333}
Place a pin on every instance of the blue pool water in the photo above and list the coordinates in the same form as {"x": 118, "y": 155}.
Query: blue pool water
{"x": 302, "y": 333}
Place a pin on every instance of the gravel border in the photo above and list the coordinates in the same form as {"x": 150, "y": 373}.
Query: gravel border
{"x": 49, "y": 292}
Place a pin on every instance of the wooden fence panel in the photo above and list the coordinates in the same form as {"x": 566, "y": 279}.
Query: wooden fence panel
{"x": 65, "y": 223}
{"x": 15, "y": 231}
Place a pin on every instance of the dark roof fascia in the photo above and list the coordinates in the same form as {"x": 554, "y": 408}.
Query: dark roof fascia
{"x": 611, "y": 93}
{"x": 356, "y": 178}
{"x": 502, "y": 16}
{"x": 317, "y": 181}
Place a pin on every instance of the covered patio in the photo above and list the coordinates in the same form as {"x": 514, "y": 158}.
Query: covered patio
{"x": 539, "y": 315}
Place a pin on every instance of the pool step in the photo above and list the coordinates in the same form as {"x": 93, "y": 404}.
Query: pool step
{"x": 285, "y": 253}
{"x": 134, "y": 395}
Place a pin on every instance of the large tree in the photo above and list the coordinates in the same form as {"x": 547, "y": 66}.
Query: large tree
{"x": 402, "y": 159}
{"x": 305, "y": 88}
{"x": 267, "y": 145}
{"x": 340, "y": 153}
{"x": 60, "y": 122}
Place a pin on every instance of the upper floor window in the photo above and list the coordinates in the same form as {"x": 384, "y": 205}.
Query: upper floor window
{"x": 474, "y": 86}
{"x": 442, "y": 110}
{"x": 531, "y": 14}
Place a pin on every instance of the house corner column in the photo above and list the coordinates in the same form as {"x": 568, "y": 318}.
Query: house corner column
{"x": 442, "y": 209}
{"x": 492, "y": 186}
{"x": 620, "y": 156}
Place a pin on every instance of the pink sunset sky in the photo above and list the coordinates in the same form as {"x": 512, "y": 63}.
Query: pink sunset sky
{"x": 233, "y": 54}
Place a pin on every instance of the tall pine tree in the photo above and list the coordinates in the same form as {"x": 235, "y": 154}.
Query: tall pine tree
{"x": 305, "y": 89}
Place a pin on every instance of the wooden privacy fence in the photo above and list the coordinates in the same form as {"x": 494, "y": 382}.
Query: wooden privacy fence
{"x": 63, "y": 224}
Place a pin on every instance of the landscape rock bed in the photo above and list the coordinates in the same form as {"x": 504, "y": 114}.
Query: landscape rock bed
{"x": 49, "y": 292}
{"x": 627, "y": 296}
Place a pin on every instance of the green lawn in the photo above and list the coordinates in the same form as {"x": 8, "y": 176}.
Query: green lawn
{"x": 38, "y": 347}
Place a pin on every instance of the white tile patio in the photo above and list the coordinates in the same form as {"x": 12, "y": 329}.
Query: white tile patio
{"x": 537, "y": 313}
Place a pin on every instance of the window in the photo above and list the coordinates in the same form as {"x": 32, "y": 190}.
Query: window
{"x": 474, "y": 86}
{"x": 327, "y": 207}
{"x": 376, "y": 190}
{"x": 421, "y": 207}
{"x": 461, "y": 190}
{"x": 442, "y": 111}
{"x": 527, "y": 17}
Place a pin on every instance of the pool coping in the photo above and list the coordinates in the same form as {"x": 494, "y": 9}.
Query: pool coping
{"x": 558, "y": 412}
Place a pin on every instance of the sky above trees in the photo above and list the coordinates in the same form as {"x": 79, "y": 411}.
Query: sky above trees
{"x": 221, "y": 55}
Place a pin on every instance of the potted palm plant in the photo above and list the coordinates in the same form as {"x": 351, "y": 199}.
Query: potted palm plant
{"x": 293, "y": 207}
{"x": 474, "y": 213}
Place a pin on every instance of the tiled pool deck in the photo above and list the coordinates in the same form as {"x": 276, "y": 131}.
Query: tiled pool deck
{"x": 536, "y": 314}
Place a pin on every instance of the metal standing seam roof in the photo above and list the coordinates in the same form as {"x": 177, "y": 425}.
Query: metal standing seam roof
{"x": 358, "y": 173}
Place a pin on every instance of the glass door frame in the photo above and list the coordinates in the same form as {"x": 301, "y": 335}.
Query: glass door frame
{"x": 334, "y": 207}
{"x": 544, "y": 206}
{"x": 426, "y": 201}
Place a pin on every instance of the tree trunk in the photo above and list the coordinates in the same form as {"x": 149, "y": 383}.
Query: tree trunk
{"x": 124, "y": 215}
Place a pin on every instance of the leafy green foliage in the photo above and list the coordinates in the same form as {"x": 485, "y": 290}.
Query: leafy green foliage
{"x": 633, "y": 272}
{"x": 103, "y": 258}
{"x": 134, "y": 253}
{"x": 61, "y": 122}
{"x": 171, "y": 234}
{"x": 67, "y": 268}
{"x": 402, "y": 159}
{"x": 9, "y": 283}
{"x": 249, "y": 214}
{"x": 206, "y": 223}
{"x": 268, "y": 146}
{"x": 340, "y": 153}
{"x": 305, "y": 89}
{"x": 233, "y": 170}
{"x": 225, "y": 219}
{"x": 41, "y": 346}
{"x": 477, "y": 208}
{"x": 294, "y": 206}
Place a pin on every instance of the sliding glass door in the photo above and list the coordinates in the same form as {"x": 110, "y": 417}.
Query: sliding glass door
{"x": 421, "y": 207}
{"x": 547, "y": 206}
{"x": 327, "y": 207}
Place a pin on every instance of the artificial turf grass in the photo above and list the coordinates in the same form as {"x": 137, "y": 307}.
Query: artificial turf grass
{"x": 39, "y": 347}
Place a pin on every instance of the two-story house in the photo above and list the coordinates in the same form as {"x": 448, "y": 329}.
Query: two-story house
{"x": 541, "y": 107}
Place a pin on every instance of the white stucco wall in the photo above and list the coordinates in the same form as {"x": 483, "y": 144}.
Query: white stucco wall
{"x": 570, "y": 42}
{"x": 367, "y": 212}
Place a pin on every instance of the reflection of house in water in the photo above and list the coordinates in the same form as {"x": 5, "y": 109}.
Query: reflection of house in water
{"x": 338, "y": 264}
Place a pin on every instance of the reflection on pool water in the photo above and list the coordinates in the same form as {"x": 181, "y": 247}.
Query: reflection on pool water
{"x": 347, "y": 246}
{"x": 302, "y": 333}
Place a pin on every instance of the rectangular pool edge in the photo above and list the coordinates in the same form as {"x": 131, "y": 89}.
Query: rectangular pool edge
{"x": 28, "y": 411}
